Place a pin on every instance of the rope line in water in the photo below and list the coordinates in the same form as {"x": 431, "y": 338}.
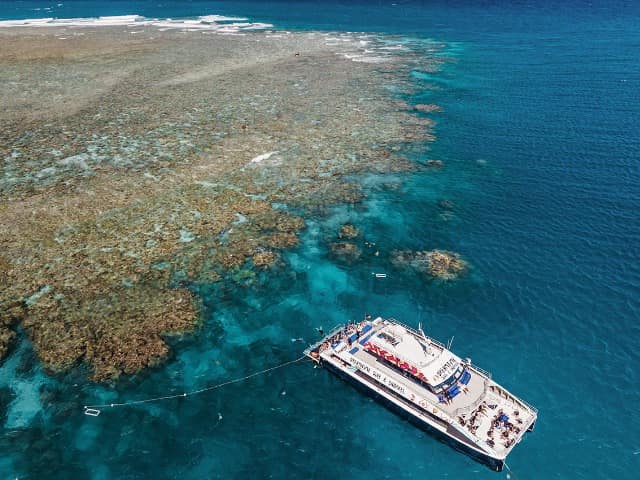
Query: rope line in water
{"x": 510, "y": 473}
{"x": 96, "y": 408}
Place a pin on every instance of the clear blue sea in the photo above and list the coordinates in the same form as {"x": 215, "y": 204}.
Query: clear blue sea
{"x": 541, "y": 144}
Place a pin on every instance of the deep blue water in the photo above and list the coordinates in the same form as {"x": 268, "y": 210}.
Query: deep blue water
{"x": 540, "y": 139}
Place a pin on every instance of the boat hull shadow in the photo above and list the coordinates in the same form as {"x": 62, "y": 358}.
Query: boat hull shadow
{"x": 490, "y": 462}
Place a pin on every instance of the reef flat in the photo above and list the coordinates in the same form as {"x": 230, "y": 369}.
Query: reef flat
{"x": 137, "y": 161}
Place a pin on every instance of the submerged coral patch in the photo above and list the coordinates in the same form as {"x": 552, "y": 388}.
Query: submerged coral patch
{"x": 440, "y": 264}
{"x": 348, "y": 231}
{"x": 345, "y": 251}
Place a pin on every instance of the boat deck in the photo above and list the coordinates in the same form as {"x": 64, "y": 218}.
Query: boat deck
{"x": 483, "y": 412}
{"x": 500, "y": 420}
{"x": 460, "y": 404}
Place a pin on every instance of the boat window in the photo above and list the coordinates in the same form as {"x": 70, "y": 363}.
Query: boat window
{"x": 449, "y": 381}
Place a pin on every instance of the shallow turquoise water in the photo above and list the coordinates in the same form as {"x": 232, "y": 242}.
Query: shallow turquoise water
{"x": 539, "y": 139}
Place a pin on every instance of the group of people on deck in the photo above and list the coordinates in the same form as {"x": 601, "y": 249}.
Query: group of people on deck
{"x": 474, "y": 421}
{"x": 502, "y": 423}
{"x": 344, "y": 335}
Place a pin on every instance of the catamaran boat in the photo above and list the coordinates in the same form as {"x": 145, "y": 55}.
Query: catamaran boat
{"x": 420, "y": 379}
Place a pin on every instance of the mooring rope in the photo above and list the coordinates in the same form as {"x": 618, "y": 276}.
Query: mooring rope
{"x": 94, "y": 410}
{"x": 510, "y": 472}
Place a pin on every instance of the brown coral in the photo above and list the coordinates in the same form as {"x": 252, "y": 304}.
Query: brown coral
{"x": 116, "y": 331}
{"x": 345, "y": 251}
{"x": 349, "y": 232}
{"x": 427, "y": 108}
{"x": 440, "y": 264}
{"x": 264, "y": 259}
{"x": 6, "y": 338}
{"x": 108, "y": 196}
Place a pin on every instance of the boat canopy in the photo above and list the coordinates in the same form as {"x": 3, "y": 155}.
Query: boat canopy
{"x": 438, "y": 367}
{"x": 442, "y": 368}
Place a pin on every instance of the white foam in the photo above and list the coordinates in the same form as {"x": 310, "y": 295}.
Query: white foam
{"x": 258, "y": 26}
{"x": 75, "y": 161}
{"x": 241, "y": 219}
{"x": 216, "y": 23}
{"x": 32, "y": 22}
{"x": 264, "y": 156}
{"x": 206, "y": 184}
{"x": 72, "y": 22}
{"x": 362, "y": 48}
{"x": 118, "y": 19}
{"x": 365, "y": 59}
{"x": 221, "y": 18}
{"x": 33, "y": 299}
{"x": 186, "y": 236}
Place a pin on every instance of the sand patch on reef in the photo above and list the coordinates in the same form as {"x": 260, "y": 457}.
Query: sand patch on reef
{"x": 128, "y": 172}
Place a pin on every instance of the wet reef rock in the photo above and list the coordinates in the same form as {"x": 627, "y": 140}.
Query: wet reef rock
{"x": 439, "y": 264}
{"x": 348, "y": 232}
{"x": 134, "y": 165}
{"x": 6, "y": 337}
{"x": 346, "y": 252}
{"x": 427, "y": 108}
{"x": 445, "y": 204}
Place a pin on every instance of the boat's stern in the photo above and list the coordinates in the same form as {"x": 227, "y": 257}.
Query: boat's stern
{"x": 313, "y": 351}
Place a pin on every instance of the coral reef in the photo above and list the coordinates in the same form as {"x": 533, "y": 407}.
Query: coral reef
{"x": 439, "y": 264}
{"x": 427, "y": 108}
{"x": 264, "y": 259}
{"x": 6, "y": 337}
{"x": 346, "y": 252}
{"x": 349, "y": 232}
{"x": 10, "y": 312}
{"x": 120, "y": 330}
{"x": 134, "y": 166}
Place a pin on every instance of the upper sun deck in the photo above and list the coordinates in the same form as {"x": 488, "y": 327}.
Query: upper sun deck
{"x": 424, "y": 358}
